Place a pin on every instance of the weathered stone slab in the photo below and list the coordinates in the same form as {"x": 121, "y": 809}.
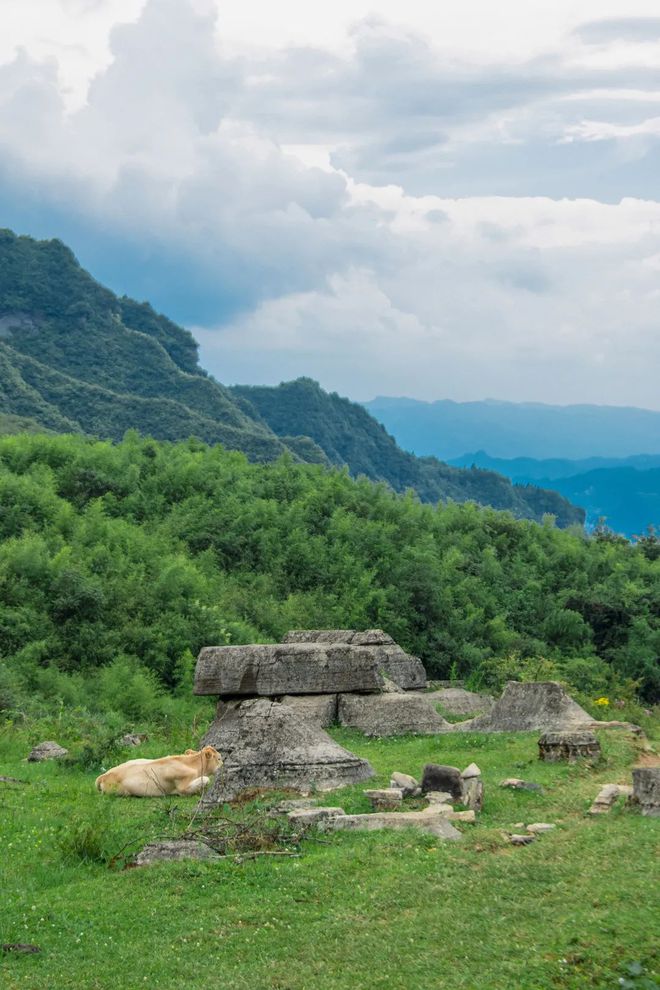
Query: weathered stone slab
{"x": 521, "y": 840}
{"x": 473, "y": 788}
{"x": 390, "y": 715}
{"x": 438, "y": 777}
{"x": 267, "y": 745}
{"x": 312, "y": 816}
{"x": 538, "y": 828}
{"x": 543, "y": 705}
{"x": 516, "y": 784}
{"x": 393, "y": 662}
{"x": 47, "y": 751}
{"x": 646, "y": 790}
{"x": 569, "y": 746}
{"x": 320, "y": 708}
{"x": 458, "y": 701}
{"x": 607, "y": 798}
{"x": 430, "y": 820}
{"x": 133, "y": 739}
{"x": 173, "y": 850}
{"x": 366, "y": 637}
{"x": 293, "y": 668}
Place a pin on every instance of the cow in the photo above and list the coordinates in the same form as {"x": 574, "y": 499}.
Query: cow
{"x": 185, "y": 774}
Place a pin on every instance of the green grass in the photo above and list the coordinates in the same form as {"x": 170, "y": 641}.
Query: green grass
{"x": 370, "y": 911}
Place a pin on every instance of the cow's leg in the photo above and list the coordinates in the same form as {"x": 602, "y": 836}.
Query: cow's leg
{"x": 194, "y": 787}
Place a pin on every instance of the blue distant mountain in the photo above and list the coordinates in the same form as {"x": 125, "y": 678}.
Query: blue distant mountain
{"x": 447, "y": 429}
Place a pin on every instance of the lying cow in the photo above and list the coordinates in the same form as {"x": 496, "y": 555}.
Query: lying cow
{"x": 185, "y": 774}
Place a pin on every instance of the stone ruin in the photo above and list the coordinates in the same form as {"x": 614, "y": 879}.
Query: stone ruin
{"x": 542, "y": 705}
{"x": 276, "y": 699}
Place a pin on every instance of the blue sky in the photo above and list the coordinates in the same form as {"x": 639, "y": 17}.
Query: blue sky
{"x": 444, "y": 201}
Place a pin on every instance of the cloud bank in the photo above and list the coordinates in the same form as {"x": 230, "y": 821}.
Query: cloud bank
{"x": 387, "y": 219}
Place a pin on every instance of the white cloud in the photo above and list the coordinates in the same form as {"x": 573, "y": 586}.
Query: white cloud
{"x": 381, "y": 217}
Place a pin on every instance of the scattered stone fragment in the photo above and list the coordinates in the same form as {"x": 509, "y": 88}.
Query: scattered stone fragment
{"x": 646, "y": 790}
{"x": 312, "y": 816}
{"x": 473, "y": 788}
{"x": 430, "y": 820}
{"x": 390, "y": 714}
{"x": 516, "y": 784}
{"x": 387, "y": 799}
{"x": 294, "y": 804}
{"x": 568, "y": 746}
{"x": 133, "y": 739}
{"x": 405, "y": 783}
{"x": 518, "y": 825}
{"x": 11, "y": 780}
{"x": 537, "y": 828}
{"x": 19, "y": 947}
{"x": 438, "y": 777}
{"x": 47, "y": 751}
{"x": 521, "y": 840}
{"x": 438, "y": 797}
{"x": 607, "y": 798}
{"x": 462, "y": 816}
{"x": 524, "y": 706}
{"x": 174, "y": 849}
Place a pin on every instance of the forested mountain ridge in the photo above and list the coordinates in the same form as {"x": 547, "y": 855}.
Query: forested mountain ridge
{"x": 75, "y": 358}
{"x": 118, "y": 562}
{"x": 349, "y": 435}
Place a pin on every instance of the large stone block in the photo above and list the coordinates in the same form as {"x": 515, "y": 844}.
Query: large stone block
{"x": 402, "y": 668}
{"x": 439, "y": 777}
{"x": 291, "y": 668}
{"x": 390, "y": 714}
{"x": 320, "y": 708}
{"x": 646, "y": 790}
{"x": 543, "y": 705}
{"x": 432, "y": 820}
{"x": 265, "y": 744}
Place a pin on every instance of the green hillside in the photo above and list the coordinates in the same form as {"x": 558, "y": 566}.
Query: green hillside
{"x": 75, "y": 358}
{"x": 350, "y": 435}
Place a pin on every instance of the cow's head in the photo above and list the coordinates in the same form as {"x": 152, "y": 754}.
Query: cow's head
{"x": 211, "y": 759}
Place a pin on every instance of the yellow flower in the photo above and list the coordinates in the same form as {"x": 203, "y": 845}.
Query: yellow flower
{"x": 602, "y": 701}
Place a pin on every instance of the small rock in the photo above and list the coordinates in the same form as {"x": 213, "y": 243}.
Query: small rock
{"x": 537, "y": 828}
{"x": 438, "y": 777}
{"x": 173, "y": 850}
{"x": 47, "y": 751}
{"x": 520, "y": 785}
{"x": 473, "y": 792}
{"x": 521, "y": 840}
{"x": 133, "y": 739}
{"x": 471, "y": 771}
{"x": 297, "y": 804}
{"x": 313, "y": 816}
{"x": 518, "y": 825}
{"x": 462, "y": 816}
{"x": 605, "y": 799}
{"x": 405, "y": 783}
{"x": 438, "y": 797}
{"x": 19, "y": 947}
{"x": 387, "y": 799}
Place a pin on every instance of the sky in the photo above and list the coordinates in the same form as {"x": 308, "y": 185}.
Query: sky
{"x": 441, "y": 200}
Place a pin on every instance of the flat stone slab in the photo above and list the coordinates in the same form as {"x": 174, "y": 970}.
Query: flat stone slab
{"x": 390, "y": 715}
{"x": 312, "y": 816}
{"x": 538, "y": 828}
{"x": 268, "y": 745}
{"x": 393, "y": 662}
{"x": 172, "y": 851}
{"x": 320, "y": 708}
{"x": 47, "y": 751}
{"x": 291, "y": 668}
{"x": 521, "y": 840}
{"x": 607, "y": 798}
{"x": 385, "y": 799}
{"x": 516, "y": 784}
{"x": 646, "y": 790}
{"x": 542, "y": 705}
{"x": 569, "y": 746}
{"x": 405, "y": 783}
{"x": 430, "y": 820}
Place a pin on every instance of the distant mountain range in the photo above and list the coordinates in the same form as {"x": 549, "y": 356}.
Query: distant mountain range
{"x": 623, "y": 491}
{"x": 447, "y": 429}
{"x": 76, "y": 358}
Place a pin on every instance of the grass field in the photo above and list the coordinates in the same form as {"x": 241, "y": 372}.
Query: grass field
{"x": 371, "y": 911}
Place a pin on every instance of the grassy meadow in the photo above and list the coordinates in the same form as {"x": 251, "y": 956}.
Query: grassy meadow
{"x": 380, "y": 911}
